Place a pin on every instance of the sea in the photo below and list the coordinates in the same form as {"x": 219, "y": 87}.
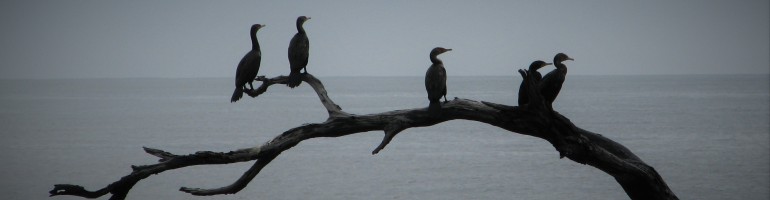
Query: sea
{"x": 707, "y": 135}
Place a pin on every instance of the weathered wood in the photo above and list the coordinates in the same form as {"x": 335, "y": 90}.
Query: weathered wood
{"x": 639, "y": 180}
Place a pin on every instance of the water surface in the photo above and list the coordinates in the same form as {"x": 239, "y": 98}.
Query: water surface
{"x": 708, "y": 136}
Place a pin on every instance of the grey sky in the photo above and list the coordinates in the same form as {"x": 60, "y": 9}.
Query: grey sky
{"x": 92, "y": 39}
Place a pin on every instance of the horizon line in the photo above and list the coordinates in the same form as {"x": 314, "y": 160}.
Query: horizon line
{"x": 372, "y": 76}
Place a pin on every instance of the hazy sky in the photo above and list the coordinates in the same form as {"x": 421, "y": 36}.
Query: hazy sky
{"x": 94, "y": 39}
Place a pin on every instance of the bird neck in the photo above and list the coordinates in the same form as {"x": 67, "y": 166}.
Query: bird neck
{"x": 254, "y": 41}
{"x": 434, "y": 59}
{"x": 300, "y": 29}
{"x": 560, "y": 66}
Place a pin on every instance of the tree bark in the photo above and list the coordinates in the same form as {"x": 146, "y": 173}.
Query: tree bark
{"x": 639, "y": 180}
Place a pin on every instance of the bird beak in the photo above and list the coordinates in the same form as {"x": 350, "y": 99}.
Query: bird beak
{"x": 262, "y": 26}
{"x": 546, "y": 64}
{"x": 571, "y": 59}
{"x": 448, "y": 49}
{"x": 308, "y": 17}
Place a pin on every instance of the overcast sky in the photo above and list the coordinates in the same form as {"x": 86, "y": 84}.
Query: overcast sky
{"x": 169, "y": 38}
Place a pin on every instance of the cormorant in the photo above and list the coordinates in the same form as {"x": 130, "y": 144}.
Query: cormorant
{"x": 551, "y": 83}
{"x": 249, "y": 65}
{"x": 298, "y": 53}
{"x": 435, "y": 79}
{"x": 523, "y": 95}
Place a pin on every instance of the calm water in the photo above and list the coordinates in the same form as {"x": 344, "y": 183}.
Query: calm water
{"x": 708, "y": 136}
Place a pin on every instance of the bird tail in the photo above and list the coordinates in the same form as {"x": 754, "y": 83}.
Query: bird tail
{"x": 295, "y": 79}
{"x": 435, "y": 106}
{"x": 237, "y": 94}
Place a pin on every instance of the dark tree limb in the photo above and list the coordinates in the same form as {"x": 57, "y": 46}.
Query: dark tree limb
{"x": 639, "y": 180}
{"x": 333, "y": 109}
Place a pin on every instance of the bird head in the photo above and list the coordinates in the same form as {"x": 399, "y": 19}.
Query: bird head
{"x": 438, "y": 50}
{"x": 538, "y": 64}
{"x": 560, "y": 57}
{"x": 256, "y": 27}
{"x": 302, "y": 19}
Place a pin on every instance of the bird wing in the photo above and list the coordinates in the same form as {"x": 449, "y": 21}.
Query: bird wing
{"x": 435, "y": 82}
{"x": 241, "y": 70}
{"x": 550, "y": 85}
{"x": 298, "y": 51}
{"x": 251, "y": 64}
{"x": 442, "y": 79}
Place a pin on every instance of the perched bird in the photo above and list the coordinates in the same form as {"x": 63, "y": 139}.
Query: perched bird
{"x": 249, "y": 65}
{"x": 551, "y": 83}
{"x": 299, "y": 48}
{"x": 435, "y": 79}
{"x": 523, "y": 94}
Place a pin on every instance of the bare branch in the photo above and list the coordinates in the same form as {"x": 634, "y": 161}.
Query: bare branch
{"x": 333, "y": 109}
{"x": 639, "y": 180}
{"x": 76, "y": 190}
{"x": 163, "y": 155}
{"x": 390, "y": 131}
{"x": 266, "y": 83}
{"x": 120, "y": 188}
{"x": 238, "y": 185}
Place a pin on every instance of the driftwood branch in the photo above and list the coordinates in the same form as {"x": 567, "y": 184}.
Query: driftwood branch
{"x": 639, "y": 180}
{"x": 333, "y": 109}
